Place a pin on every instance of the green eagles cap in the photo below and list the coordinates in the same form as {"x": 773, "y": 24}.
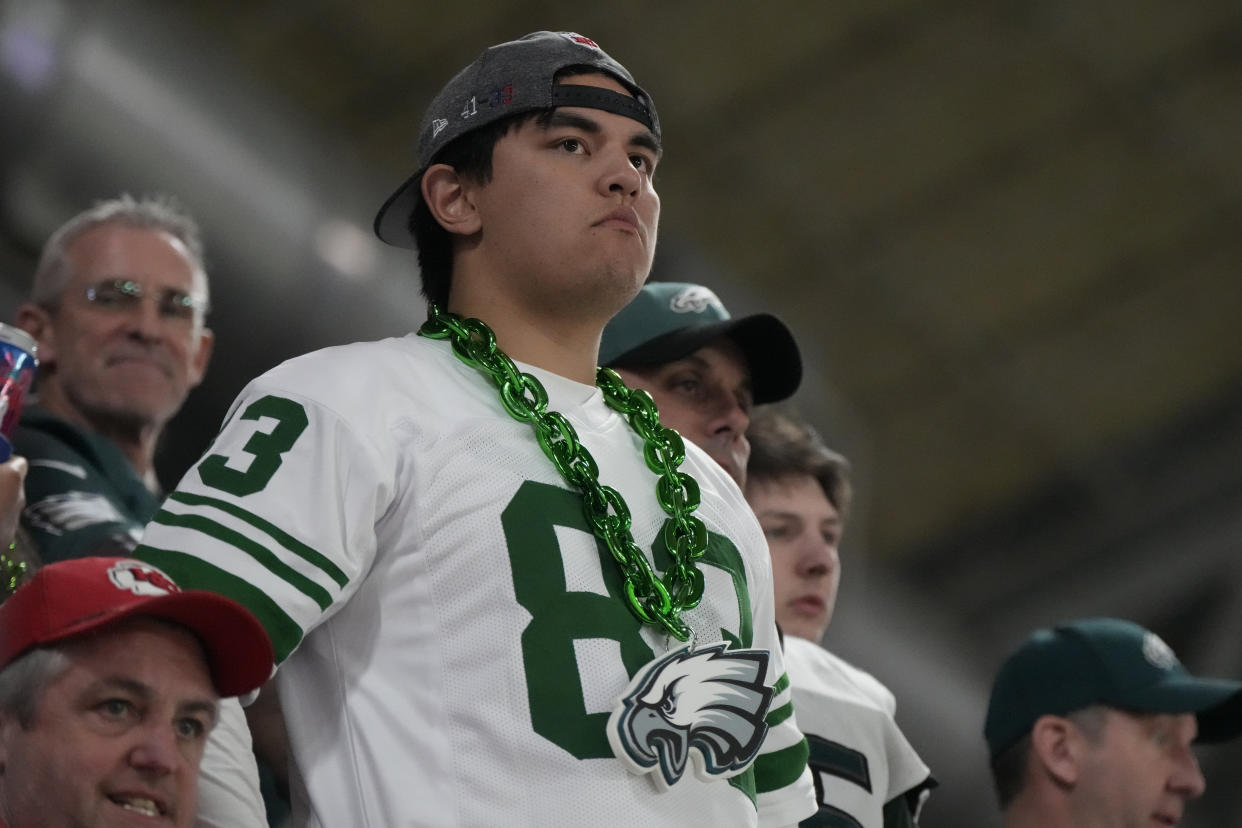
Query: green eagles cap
{"x": 671, "y": 320}
{"x": 1104, "y": 661}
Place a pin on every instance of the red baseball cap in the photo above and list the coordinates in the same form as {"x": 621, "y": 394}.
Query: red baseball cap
{"x": 69, "y": 598}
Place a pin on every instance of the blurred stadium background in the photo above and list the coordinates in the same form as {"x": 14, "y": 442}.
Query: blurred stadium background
{"x": 1006, "y": 234}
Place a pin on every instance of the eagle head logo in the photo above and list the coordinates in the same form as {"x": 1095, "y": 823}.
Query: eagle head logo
{"x": 708, "y": 704}
{"x": 696, "y": 299}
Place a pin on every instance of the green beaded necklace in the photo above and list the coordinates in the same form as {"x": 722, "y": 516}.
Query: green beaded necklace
{"x": 12, "y": 573}
{"x": 654, "y": 601}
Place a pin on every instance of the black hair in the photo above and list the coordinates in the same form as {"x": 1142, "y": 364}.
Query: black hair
{"x": 471, "y": 156}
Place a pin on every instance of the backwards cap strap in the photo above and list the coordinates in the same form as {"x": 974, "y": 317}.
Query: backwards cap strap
{"x": 593, "y": 97}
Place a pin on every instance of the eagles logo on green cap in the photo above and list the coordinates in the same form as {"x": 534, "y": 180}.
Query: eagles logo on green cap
{"x": 670, "y": 320}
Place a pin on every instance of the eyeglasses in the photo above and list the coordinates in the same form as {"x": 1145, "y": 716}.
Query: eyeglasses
{"x": 125, "y": 295}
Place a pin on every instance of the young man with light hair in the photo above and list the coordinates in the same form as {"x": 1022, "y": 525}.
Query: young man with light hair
{"x": 866, "y": 771}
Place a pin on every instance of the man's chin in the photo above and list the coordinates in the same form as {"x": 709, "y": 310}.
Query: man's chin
{"x": 135, "y": 412}
{"x": 801, "y": 628}
{"x": 733, "y": 468}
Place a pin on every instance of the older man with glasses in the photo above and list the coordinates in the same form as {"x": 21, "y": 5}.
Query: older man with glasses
{"x": 117, "y": 308}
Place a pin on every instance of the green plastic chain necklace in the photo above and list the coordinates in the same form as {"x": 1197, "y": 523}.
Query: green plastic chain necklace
{"x": 653, "y": 601}
{"x": 12, "y": 573}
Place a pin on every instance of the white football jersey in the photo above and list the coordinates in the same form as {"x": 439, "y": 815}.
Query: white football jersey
{"x": 861, "y": 759}
{"x": 453, "y": 636}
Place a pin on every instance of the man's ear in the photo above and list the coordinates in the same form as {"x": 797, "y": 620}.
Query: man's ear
{"x": 450, "y": 200}
{"x": 201, "y": 357}
{"x": 36, "y": 321}
{"x": 1058, "y": 747}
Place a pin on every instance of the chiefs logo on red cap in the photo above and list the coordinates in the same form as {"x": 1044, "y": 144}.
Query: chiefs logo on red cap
{"x": 141, "y": 579}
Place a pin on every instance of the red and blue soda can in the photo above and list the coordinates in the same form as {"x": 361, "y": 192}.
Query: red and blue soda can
{"x": 17, "y": 369}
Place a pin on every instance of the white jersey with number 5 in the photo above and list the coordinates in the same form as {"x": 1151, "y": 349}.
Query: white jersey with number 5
{"x": 867, "y": 774}
{"x": 453, "y": 636}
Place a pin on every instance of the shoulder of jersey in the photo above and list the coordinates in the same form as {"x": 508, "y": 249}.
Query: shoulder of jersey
{"x": 819, "y": 670}
{"x": 358, "y": 373}
{"x": 707, "y": 471}
{"x": 351, "y": 358}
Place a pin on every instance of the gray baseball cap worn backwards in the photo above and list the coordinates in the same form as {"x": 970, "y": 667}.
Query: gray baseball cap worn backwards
{"x": 509, "y": 79}
{"x": 671, "y": 320}
{"x": 1104, "y": 661}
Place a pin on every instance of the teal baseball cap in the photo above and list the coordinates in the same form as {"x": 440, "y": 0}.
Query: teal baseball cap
{"x": 670, "y": 320}
{"x": 1105, "y": 661}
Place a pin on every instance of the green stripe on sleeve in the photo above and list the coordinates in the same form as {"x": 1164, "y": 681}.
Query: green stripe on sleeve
{"x": 192, "y": 573}
{"x": 774, "y": 771}
{"x": 279, "y": 535}
{"x": 745, "y": 782}
{"x": 255, "y": 550}
{"x": 781, "y": 684}
{"x": 779, "y": 715}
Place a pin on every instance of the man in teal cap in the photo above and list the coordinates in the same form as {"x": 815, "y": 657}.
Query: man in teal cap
{"x": 1091, "y": 722}
{"x": 705, "y": 369}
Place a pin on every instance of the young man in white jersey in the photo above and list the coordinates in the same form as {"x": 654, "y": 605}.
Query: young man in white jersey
{"x": 866, "y": 772}
{"x": 487, "y": 606}
{"x": 706, "y": 370}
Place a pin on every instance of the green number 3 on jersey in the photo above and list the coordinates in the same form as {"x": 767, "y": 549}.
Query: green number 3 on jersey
{"x": 265, "y": 448}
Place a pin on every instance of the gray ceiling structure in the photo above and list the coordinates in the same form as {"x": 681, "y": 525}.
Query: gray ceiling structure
{"x": 1006, "y": 235}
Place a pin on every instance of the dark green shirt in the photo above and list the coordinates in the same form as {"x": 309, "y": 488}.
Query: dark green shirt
{"x": 82, "y": 496}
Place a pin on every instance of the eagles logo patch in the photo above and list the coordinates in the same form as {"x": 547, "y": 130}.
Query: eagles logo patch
{"x": 705, "y": 706}
{"x": 696, "y": 299}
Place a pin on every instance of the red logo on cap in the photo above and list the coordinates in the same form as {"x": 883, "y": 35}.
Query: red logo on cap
{"x": 585, "y": 41}
{"x": 141, "y": 579}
